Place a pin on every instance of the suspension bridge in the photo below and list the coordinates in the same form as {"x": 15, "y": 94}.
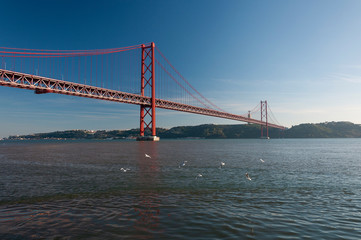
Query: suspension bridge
{"x": 138, "y": 74}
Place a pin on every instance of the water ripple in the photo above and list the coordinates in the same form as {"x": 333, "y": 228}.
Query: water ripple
{"x": 301, "y": 191}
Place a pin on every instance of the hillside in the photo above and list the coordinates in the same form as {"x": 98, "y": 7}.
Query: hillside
{"x": 308, "y": 130}
{"x": 325, "y": 130}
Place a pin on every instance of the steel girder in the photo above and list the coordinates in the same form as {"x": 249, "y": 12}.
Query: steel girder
{"x": 209, "y": 112}
{"x": 47, "y": 85}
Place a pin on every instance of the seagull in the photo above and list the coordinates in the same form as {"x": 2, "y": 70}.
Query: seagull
{"x": 248, "y": 177}
{"x": 146, "y": 155}
{"x": 261, "y": 160}
{"x": 199, "y": 175}
{"x": 183, "y": 164}
{"x": 222, "y": 165}
{"x": 124, "y": 169}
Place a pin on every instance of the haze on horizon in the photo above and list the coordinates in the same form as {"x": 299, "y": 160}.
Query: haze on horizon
{"x": 303, "y": 57}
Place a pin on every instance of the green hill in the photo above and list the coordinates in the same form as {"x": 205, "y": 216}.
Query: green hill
{"x": 307, "y": 130}
{"x": 325, "y": 130}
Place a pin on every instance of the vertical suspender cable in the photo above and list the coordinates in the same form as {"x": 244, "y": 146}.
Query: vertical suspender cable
{"x": 102, "y": 60}
{"x": 96, "y": 70}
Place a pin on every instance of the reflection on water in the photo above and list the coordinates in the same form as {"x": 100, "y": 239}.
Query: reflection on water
{"x": 76, "y": 190}
{"x": 147, "y": 213}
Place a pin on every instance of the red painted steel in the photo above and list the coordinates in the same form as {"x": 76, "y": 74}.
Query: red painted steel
{"x": 153, "y": 91}
{"x": 33, "y": 82}
{"x": 148, "y": 80}
{"x": 185, "y": 80}
{"x": 142, "y": 94}
{"x": 147, "y": 100}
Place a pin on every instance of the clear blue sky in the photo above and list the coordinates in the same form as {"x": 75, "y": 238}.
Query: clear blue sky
{"x": 303, "y": 56}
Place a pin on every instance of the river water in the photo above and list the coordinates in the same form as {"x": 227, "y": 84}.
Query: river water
{"x": 303, "y": 189}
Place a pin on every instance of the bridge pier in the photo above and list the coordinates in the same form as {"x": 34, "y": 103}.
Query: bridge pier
{"x": 148, "y": 138}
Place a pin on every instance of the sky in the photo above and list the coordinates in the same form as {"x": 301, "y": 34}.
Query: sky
{"x": 302, "y": 56}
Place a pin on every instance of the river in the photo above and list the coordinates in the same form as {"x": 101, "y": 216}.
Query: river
{"x": 299, "y": 189}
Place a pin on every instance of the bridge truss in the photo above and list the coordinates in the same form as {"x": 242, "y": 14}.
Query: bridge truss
{"x": 191, "y": 100}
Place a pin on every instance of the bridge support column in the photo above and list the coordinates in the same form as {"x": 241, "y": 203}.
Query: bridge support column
{"x": 147, "y": 112}
{"x": 264, "y": 116}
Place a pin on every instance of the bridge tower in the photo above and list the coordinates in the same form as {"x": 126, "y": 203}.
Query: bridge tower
{"x": 264, "y": 117}
{"x": 147, "y": 113}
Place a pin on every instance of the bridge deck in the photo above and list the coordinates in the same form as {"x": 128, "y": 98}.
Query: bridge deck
{"x": 48, "y": 85}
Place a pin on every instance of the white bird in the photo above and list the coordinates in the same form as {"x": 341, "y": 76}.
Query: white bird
{"x": 124, "y": 169}
{"x": 146, "y": 155}
{"x": 222, "y": 164}
{"x": 199, "y": 175}
{"x": 261, "y": 160}
{"x": 183, "y": 164}
{"x": 248, "y": 177}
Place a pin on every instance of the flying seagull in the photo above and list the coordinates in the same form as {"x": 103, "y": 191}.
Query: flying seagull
{"x": 183, "y": 164}
{"x": 124, "y": 169}
{"x": 222, "y": 164}
{"x": 146, "y": 155}
{"x": 248, "y": 177}
{"x": 261, "y": 160}
{"x": 199, "y": 175}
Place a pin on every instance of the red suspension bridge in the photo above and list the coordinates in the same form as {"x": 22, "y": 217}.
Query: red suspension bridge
{"x": 138, "y": 74}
